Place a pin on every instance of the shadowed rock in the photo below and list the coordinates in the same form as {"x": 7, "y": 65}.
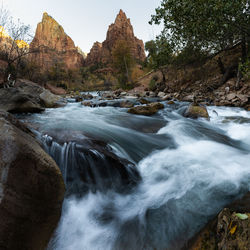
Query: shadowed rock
{"x": 31, "y": 189}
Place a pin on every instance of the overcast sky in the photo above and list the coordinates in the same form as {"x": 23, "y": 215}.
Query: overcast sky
{"x": 87, "y": 21}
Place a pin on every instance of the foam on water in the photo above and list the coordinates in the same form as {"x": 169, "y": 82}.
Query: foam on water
{"x": 183, "y": 185}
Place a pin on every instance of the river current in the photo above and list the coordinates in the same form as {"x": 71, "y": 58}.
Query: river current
{"x": 181, "y": 173}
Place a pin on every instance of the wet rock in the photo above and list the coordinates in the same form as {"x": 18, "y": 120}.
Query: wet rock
{"x": 195, "y": 111}
{"x": 188, "y": 98}
{"x": 78, "y": 98}
{"x": 87, "y": 96}
{"x": 131, "y": 97}
{"x": 171, "y": 102}
{"x": 152, "y": 94}
{"x": 90, "y": 165}
{"x": 161, "y": 94}
{"x": 228, "y": 231}
{"x": 87, "y": 104}
{"x": 31, "y": 189}
{"x": 126, "y": 104}
{"x": 146, "y": 110}
{"x": 108, "y": 95}
{"x": 123, "y": 93}
{"x": 144, "y": 101}
{"x": 167, "y": 97}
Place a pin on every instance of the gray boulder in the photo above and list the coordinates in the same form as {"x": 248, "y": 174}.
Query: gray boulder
{"x": 31, "y": 189}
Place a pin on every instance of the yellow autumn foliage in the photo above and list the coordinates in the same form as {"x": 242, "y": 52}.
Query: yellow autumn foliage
{"x": 20, "y": 43}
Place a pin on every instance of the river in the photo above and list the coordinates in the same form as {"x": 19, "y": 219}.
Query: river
{"x": 174, "y": 175}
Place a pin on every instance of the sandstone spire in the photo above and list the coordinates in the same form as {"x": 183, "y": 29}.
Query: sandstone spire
{"x": 54, "y": 45}
{"x": 121, "y": 29}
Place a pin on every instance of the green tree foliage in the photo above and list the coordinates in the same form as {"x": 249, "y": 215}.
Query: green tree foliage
{"x": 211, "y": 25}
{"x": 57, "y": 72}
{"x": 123, "y": 62}
{"x": 160, "y": 53}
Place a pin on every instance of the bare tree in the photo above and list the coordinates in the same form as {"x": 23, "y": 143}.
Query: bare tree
{"x": 14, "y": 43}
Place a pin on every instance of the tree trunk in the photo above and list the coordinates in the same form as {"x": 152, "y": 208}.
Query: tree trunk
{"x": 243, "y": 48}
{"x": 163, "y": 75}
{"x": 221, "y": 66}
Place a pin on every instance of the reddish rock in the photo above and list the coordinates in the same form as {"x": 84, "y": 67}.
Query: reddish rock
{"x": 95, "y": 54}
{"x": 55, "y": 90}
{"x": 54, "y": 45}
{"x": 121, "y": 29}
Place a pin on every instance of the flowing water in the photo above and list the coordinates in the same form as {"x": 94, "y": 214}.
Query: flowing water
{"x": 136, "y": 182}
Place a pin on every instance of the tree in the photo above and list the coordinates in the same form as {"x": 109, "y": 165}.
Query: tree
{"x": 123, "y": 62}
{"x": 211, "y": 25}
{"x": 160, "y": 53}
{"x": 14, "y": 39}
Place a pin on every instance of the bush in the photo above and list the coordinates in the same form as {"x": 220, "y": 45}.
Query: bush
{"x": 152, "y": 84}
{"x": 245, "y": 69}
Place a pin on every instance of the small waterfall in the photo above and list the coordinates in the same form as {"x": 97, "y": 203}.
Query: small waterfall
{"x": 86, "y": 168}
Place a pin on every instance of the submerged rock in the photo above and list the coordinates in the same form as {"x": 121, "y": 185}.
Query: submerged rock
{"x": 31, "y": 189}
{"x": 144, "y": 101}
{"x": 146, "y": 110}
{"x": 90, "y": 165}
{"x": 195, "y": 111}
{"x": 171, "y": 102}
{"x": 126, "y": 104}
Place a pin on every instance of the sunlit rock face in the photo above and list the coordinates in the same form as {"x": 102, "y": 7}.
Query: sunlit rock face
{"x": 54, "y": 45}
{"x": 6, "y": 41}
{"x": 121, "y": 29}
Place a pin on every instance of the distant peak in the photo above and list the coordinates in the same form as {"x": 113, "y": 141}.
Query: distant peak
{"x": 121, "y": 12}
{"x": 45, "y": 15}
{"x": 121, "y": 16}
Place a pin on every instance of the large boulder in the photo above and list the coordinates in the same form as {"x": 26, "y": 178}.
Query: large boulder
{"x": 195, "y": 111}
{"x": 148, "y": 110}
{"x": 31, "y": 189}
{"x": 48, "y": 99}
{"x": 17, "y": 101}
{"x": 27, "y": 97}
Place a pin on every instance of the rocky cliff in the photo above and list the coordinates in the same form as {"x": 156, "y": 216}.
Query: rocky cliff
{"x": 55, "y": 46}
{"x": 121, "y": 29}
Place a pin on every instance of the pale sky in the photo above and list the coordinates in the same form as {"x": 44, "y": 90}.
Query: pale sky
{"x": 87, "y": 21}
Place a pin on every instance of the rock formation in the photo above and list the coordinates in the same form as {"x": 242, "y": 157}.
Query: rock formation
{"x": 121, "y": 29}
{"x": 27, "y": 97}
{"x": 31, "y": 189}
{"x": 54, "y": 45}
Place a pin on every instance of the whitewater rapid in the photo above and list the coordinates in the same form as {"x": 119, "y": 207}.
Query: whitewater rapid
{"x": 190, "y": 170}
